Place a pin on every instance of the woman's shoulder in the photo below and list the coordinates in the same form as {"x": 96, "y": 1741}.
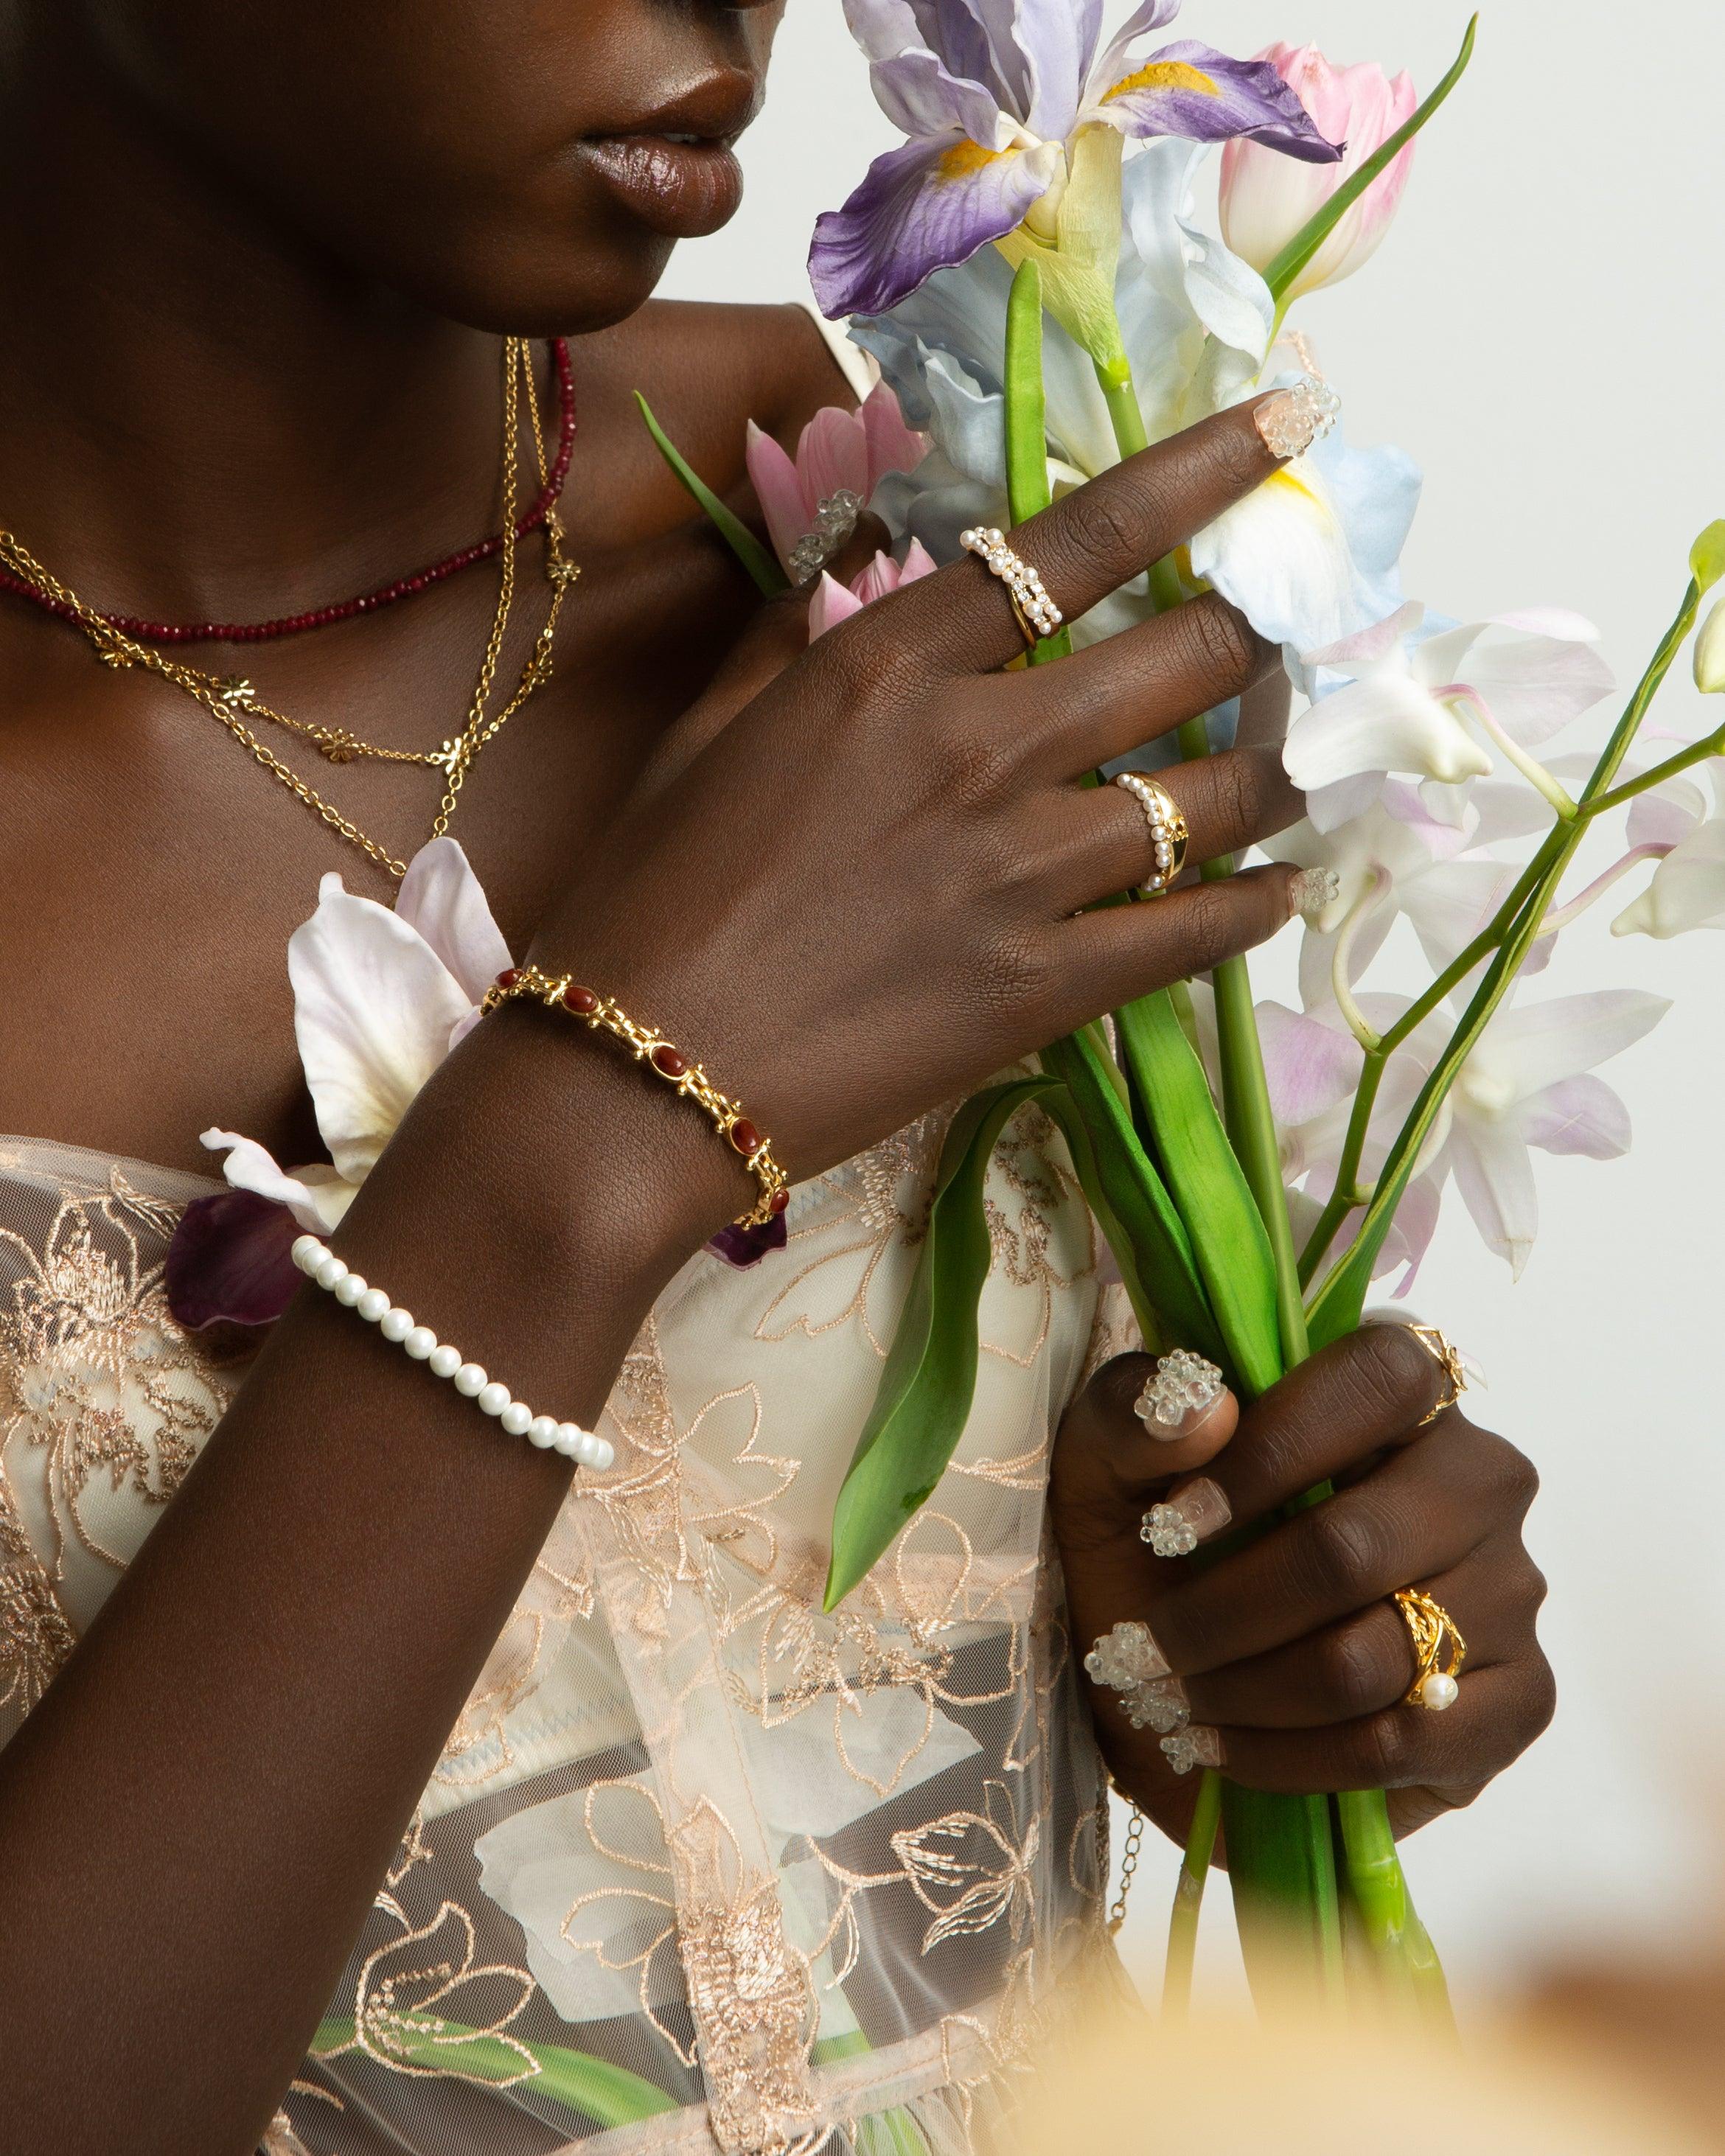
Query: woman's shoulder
{"x": 708, "y": 369}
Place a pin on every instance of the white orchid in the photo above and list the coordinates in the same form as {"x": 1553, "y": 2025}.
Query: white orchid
{"x": 1310, "y": 558}
{"x": 1687, "y": 891}
{"x": 380, "y": 999}
{"x": 1404, "y": 699}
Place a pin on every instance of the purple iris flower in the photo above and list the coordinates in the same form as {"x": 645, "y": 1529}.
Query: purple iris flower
{"x": 992, "y": 94}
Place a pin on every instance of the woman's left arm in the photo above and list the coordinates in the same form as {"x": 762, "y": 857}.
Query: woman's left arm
{"x": 1285, "y": 1659}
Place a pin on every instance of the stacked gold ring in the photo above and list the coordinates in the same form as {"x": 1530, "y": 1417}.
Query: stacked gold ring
{"x": 1169, "y": 831}
{"x": 1438, "y": 1650}
{"x": 1035, "y": 612}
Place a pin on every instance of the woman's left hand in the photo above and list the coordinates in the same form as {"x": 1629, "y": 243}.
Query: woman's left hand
{"x": 1288, "y": 1662}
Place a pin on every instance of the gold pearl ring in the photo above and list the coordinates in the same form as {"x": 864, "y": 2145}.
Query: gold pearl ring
{"x": 1169, "y": 831}
{"x": 1438, "y": 1650}
{"x": 1035, "y": 612}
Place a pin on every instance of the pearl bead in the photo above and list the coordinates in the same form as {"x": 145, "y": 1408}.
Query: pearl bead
{"x": 374, "y": 1305}
{"x": 396, "y": 1325}
{"x": 349, "y": 1289}
{"x": 491, "y": 1400}
{"x": 444, "y": 1362}
{"x": 518, "y": 1419}
{"x": 569, "y": 1440}
{"x": 470, "y": 1380}
{"x": 543, "y": 1431}
{"x": 307, "y": 1252}
{"x": 1439, "y": 1691}
{"x": 594, "y": 1452}
{"x": 420, "y": 1343}
{"x": 330, "y": 1269}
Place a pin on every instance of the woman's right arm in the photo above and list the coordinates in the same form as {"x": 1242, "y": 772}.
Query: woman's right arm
{"x": 859, "y": 898}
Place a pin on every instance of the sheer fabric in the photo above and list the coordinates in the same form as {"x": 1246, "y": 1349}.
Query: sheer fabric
{"x": 700, "y": 1869}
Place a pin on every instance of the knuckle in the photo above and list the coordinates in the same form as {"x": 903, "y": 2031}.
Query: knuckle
{"x": 1113, "y": 519}
{"x": 1354, "y": 1668}
{"x": 1388, "y": 1749}
{"x": 1223, "y": 642}
{"x": 1015, "y": 979}
{"x": 976, "y": 765}
{"x": 1398, "y": 1381}
{"x": 1345, "y": 1547}
{"x": 1209, "y": 929}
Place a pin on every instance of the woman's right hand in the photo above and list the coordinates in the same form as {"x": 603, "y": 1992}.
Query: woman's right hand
{"x": 866, "y": 891}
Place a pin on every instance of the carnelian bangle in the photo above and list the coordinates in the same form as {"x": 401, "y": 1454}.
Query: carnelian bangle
{"x": 600, "y": 1014}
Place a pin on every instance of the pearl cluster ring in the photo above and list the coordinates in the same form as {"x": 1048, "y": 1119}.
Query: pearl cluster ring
{"x": 321, "y": 1266}
{"x": 1165, "y": 824}
{"x": 1036, "y": 613}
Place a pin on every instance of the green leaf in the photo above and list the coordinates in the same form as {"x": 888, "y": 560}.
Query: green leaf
{"x": 1286, "y": 269}
{"x": 1136, "y": 1194}
{"x": 1209, "y": 1186}
{"x": 770, "y": 580}
{"x": 609, "y": 2096}
{"x": 1707, "y": 557}
{"x": 925, "y": 1390}
{"x": 1281, "y": 1864}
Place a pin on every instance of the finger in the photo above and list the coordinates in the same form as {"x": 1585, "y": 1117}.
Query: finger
{"x": 1366, "y": 1393}
{"x": 1418, "y": 1515}
{"x": 1092, "y": 541}
{"x": 1110, "y": 957}
{"x": 1098, "y": 839}
{"x": 1497, "y": 1714}
{"x": 1140, "y": 1422}
{"x": 1113, "y": 697}
{"x": 1368, "y": 1663}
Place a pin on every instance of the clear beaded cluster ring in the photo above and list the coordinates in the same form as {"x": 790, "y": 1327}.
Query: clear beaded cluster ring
{"x": 1038, "y": 615}
{"x": 335, "y": 1276}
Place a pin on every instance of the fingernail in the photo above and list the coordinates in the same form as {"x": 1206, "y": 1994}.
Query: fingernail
{"x": 1190, "y": 1515}
{"x": 1198, "y": 1746}
{"x": 1312, "y": 893}
{"x": 1162, "y": 1706}
{"x": 1126, "y": 1658}
{"x": 1183, "y": 1389}
{"x": 1293, "y": 420}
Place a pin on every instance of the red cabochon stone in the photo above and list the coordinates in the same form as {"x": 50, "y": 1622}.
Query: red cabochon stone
{"x": 583, "y": 1002}
{"x": 669, "y": 1061}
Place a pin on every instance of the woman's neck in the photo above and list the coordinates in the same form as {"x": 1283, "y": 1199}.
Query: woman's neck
{"x": 198, "y": 417}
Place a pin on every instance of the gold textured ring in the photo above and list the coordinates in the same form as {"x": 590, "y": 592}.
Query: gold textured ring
{"x": 1438, "y": 1650}
{"x": 1169, "y": 831}
{"x": 1448, "y": 1358}
{"x": 1035, "y": 612}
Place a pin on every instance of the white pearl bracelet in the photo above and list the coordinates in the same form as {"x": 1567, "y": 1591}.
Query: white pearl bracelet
{"x": 320, "y": 1264}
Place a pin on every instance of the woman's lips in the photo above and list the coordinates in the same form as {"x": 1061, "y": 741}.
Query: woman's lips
{"x": 682, "y": 188}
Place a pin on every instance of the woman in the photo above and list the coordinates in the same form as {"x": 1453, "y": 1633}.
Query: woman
{"x": 696, "y": 1864}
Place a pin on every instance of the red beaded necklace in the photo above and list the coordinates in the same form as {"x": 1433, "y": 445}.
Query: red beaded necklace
{"x": 268, "y": 632}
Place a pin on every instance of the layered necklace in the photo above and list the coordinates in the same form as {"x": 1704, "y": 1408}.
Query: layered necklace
{"x": 123, "y": 644}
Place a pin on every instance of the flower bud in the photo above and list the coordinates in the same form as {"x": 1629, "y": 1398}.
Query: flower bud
{"x": 1268, "y": 198}
{"x": 1710, "y": 654}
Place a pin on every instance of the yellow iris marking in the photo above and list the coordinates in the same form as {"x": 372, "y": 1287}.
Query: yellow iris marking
{"x": 1290, "y": 483}
{"x": 964, "y": 158}
{"x": 1167, "y": 74}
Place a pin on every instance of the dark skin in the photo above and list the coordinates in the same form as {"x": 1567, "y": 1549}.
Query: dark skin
{"x": 236, "y": 379}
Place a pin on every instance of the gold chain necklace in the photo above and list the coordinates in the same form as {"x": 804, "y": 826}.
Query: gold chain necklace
{"x": 227, "y": 698}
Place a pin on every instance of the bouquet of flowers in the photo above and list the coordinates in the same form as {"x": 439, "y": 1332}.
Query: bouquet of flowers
{"x": 1042, "y": 303}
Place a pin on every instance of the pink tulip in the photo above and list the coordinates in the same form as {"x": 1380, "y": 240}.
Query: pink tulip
{"x": 1267, "y": 199}
{"x": 841, "y": 453}
{"x": 833, "y": 602}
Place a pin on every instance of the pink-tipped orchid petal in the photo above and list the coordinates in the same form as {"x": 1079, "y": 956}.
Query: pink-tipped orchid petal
{"x": 1495, "y": 1177}
{"x": 1311, "y": 1066}
{"x": 375, "y": 1008}
{"x": 1267, "y": 200}
{"x": 440, "y": 896}
{"x": 1687, "y": 891}
{"x": 1525, "y": 1050}
{"x": 1386, "y": 722}
{"x": 833, "y": 455}
{"x": 1536, "y": 670}
{"x": 1666, "y": 816}
{"x": 832, "y": 604}
{"x": 1581, "y": 1116}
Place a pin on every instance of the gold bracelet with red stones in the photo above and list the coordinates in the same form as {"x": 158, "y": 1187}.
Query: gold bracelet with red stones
{"x": 562, "y": 992}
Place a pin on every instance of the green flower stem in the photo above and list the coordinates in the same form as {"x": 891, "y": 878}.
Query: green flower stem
{"x": 1515, "y": 930}
{"x": 1713, "y": 745}
{"x": 1188, "y": 1900}
{"x": 1125, "y": 414}
{"x": 1027, "y": 488}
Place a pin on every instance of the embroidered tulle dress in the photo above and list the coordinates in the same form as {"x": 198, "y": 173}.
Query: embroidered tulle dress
{"x": 700, "y": 1868}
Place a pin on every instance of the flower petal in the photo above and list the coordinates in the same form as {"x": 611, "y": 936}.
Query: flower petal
{"x": 1385, "y": 722}
{"x": 229, "y": 1261}
{"x": 1311, "y": 1066}
{"x": 1191, "y": 89}
{"x": 893, "y": 444}
{"x": 442, "y": 897}
{"x": 913, "y": 84}
{"x": 1529, "y": 1050}
{"x": 1536, "y": 670}
{"x": 832, "y": 604}
{"x": 1495, "y": 1177}
{"x": 920, "y": 209}
{"x": 317, "y": 1197}
{"x": 374, "y": 1010}
{"x": 833, "y": 454}
{"x": 745, "y": 1247}
{"x": 779, "y": 490}
{"x": 1578, "y": 1115}
{"x": 1687, "y": 891}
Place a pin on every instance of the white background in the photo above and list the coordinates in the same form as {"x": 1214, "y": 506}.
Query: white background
{"x": 1543, "y": 332}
